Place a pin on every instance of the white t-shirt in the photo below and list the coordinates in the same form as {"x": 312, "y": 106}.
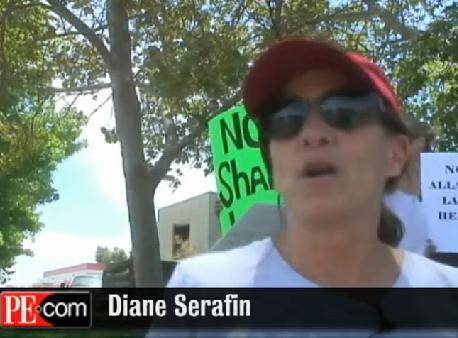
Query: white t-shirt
{"x": 259, "y": 264}
{"x": 410, "y": 211}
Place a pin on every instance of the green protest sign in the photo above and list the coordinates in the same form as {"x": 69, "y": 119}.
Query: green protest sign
{"x": 241, "y": 176}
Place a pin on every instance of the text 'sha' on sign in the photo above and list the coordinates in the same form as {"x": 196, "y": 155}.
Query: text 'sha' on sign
{"x": 241, "y": 175}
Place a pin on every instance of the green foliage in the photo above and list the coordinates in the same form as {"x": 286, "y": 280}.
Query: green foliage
{"x": 118, "y": 267}
{"x": 24, "y": 63}
{"x": 33, "y": 144}
{"x": 191, "y": 56}
{"x": 34, "y": 137}
{"x": 416, "y": 42}
{"x": 272, "y": 19}
{"x": 197, "y": 54}
{"x": 107, "y": 256}
{"x": 429, "y": 78}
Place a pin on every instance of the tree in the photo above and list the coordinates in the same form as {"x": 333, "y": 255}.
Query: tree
{"x": 172, "y": 65}
{"x": 24, "y": 63}
{"x": 32, "y": 146}
{"x": 414, "y": 40}
{"x": 416, "y": 43}
{"x": 430, "y": 78}
{"x": 107, "y": 256}
{"x": 34, "y": 137}
{"x": 115, "y": 38}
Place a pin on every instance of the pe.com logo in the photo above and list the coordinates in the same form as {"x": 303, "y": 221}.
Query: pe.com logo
{"x": 45, "y": 309}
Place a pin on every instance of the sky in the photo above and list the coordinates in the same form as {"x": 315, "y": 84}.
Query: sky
{"x": 91, "y": 210}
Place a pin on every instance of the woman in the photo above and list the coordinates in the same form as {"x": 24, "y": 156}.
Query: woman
{"x": 332, "y": 136}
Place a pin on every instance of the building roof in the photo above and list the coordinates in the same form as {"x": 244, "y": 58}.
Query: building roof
{"x": 187, "y": 200}
{"x": 74, "y": 268}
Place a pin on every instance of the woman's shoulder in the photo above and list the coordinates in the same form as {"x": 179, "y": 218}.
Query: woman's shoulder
{"x": 232, "y": 268}
{"x": 419, "y": 271}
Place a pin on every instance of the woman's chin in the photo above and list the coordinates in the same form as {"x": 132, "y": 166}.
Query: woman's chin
{"x": 318, "y": 206}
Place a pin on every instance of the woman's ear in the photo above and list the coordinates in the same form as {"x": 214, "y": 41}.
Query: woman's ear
{"x": 399, "y": 152}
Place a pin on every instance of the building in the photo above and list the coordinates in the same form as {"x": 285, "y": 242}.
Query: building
{"x": 188, "y": 227}
{"x": 62, "y": 276}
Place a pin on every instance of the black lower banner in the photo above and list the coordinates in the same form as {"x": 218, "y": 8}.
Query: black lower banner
{"x": 329, "y": 309}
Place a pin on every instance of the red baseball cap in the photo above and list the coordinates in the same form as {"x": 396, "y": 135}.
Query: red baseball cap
{"x": 295, "y": 56}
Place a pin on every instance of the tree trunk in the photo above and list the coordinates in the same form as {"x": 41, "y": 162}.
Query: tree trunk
{"x": 139, "y": 191}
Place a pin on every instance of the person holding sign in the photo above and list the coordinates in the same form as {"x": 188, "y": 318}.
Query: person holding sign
{"x": 405, "y": 200}
{"x": 332, "y": 136}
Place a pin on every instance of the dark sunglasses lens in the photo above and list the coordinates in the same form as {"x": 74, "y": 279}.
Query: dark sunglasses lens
{"x": 288, "y": 121}
{"x": 348, "y": 113}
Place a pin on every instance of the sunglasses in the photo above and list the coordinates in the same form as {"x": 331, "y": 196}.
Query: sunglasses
{"x": 343, "y": 112}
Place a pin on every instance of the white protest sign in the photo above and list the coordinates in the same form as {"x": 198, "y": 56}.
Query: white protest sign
{"x": 439, "y": 186}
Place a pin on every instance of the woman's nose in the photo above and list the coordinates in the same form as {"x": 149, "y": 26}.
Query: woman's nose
{"x": 316, "y": 132}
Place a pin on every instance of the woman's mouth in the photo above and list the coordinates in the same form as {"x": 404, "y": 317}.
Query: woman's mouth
{"x": 318, "y": 169}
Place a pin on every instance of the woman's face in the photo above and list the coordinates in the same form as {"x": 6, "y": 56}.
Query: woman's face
{"x": 327, "y": 172}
